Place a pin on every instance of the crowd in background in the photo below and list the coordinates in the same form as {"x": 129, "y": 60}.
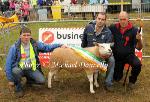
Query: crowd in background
{"x": 22, "y": 7}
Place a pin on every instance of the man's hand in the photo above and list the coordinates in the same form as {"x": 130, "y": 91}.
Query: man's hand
{"x": 139, "y": 44}
{"x": 11, "y": 84}
{"x": 105, "y": 56}
{"x": 64, "y": 46}
{"x": 138, "y": 36}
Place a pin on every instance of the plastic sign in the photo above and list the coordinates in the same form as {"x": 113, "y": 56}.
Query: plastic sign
{"x": 67, "y": 36}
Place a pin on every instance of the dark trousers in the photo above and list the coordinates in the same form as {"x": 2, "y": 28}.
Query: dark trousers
{"x": 133, "y": 61}
{"x": 26, "y": 18}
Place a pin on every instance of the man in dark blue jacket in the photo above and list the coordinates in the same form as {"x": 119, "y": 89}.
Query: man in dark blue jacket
{"x": 22, "y": 60}
{"x": 97, "y": 31}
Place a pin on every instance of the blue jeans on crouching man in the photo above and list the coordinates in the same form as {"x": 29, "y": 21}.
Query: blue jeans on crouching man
{"x": 110, "y": 71}
{"x": 18, "y": 73}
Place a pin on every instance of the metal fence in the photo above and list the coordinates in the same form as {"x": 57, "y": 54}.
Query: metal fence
{"x": 4, "y": 39}
{"x": 9, "y": 35}
{"x": 84, "y": 12}
{"x": 87, "y": 12}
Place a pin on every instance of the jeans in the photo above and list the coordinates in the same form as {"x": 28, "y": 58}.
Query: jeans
{"x": 18, "y": 73}
{"x": 110, "y": 71}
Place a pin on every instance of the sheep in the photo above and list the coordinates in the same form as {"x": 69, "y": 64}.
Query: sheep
{"x": 71, "y": 60}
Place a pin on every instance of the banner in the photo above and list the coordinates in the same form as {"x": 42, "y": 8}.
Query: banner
{"x": 67, "y": 36}
{"x": 6, "y": 21}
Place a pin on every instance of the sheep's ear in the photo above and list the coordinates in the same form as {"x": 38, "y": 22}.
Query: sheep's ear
{"x": 95, "y": 43}
{"x": 112, "y": 45}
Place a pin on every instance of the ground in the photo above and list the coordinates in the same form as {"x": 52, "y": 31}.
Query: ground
{"x": 74, "y": 87}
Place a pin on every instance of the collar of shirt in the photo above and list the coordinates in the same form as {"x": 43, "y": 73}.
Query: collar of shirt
{"x": 25, "y": 46}
{"x": 98, "y": 33}
{"x": 129, "y": 26}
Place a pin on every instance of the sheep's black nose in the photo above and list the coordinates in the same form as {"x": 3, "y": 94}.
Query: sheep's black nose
{"x": 109, "y": 50}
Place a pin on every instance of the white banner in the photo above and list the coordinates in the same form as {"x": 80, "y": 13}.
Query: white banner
{"x": 86, "y": 8}
{"x": 67, "y": 36}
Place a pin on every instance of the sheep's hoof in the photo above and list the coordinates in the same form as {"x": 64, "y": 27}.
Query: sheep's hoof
{"x": 97, "y": 85}
{"x": 92, "y": 92}
{"x": 49, "y": 86}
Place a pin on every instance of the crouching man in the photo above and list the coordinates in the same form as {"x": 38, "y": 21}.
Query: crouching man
{"x": 22, "y": 61}
{"x": 126, "y": 39}
{"x": 97, "y": 31}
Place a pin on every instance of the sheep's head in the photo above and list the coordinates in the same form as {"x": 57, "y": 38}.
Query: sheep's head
{"x": 104, "y": 49}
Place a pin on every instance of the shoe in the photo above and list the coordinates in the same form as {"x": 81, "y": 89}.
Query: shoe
{"x": 109, "y": 88}
{"x": 28, "y": 84}
{"x": 19, "y": 94}
{"x": 32, "y": 84}
{"x": 37, "y": 85}
{"x": 131, "y": 85}
{"x": 116, "y": 80}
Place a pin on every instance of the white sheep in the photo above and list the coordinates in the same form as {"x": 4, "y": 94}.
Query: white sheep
{"x": 72, "y": 60}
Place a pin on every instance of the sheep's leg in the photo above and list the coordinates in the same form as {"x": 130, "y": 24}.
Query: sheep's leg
{"x": 54, "y": 75}
{"x": 95, "y": 79}
{"x": 50, "y": 75}
{"x": 90, "y": 77}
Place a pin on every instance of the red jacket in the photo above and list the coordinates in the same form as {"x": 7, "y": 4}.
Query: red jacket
{"x": 73, "y": 1}
{"x": 25, "y": 9}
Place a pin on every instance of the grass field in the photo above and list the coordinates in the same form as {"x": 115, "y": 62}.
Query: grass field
{"x": 74, "y": 87}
